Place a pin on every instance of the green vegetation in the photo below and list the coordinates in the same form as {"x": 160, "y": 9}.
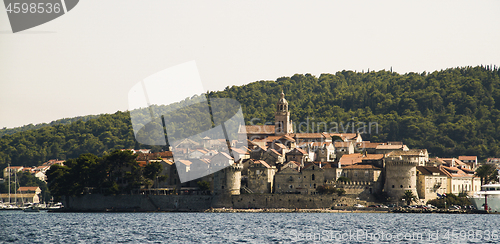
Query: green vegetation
{"x": 450, "y": 200}
{"x": 325, "y": 189}
{"x": 204, "y": 185}
{"x": 408, "y": 197}
{"x": 343, "y": 179}
{"x": 10, "y": 131}
{"x": 114, "y": 173}
{"x": 487, "y": 173}
{"x": 450, "y": 112}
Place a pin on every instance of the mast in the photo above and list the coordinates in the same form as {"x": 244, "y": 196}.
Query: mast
{"x": 15, "y": 187}
{"x": 10, "y": 172}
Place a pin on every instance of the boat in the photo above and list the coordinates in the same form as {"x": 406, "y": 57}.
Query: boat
{"x": 32, "y": 209}
{"x": 488, "y": 198}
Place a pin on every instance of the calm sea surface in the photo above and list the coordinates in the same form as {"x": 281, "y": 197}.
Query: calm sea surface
{"x": 43, "y": 227}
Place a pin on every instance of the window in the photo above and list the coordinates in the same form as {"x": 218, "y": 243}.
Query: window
{"x": 312, "y": 177}
{"x": 401, "y": 186}
{"x": 314, "y": 185}
{"x": 392, "y": 186}
{"x": 257, "y": 171}
{"x": 290, "y": 186}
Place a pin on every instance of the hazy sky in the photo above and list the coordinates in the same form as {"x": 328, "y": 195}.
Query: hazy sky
{"x": 86, "y": 61}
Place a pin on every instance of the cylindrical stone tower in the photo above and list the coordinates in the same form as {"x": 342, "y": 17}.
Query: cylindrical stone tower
{"x": 400, "y": 176}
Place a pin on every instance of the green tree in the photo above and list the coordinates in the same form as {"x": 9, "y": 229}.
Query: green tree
{"x": 204, "y": 185}
{"x": 487, "y": 173}
{"x": 409, "y": 197}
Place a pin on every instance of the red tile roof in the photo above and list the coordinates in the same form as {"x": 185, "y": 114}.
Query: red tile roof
{"x": 308, "y": 136}
{"x": 342, "y": 144}
{"x": 260, "y": 129}
{"x": 361, "y": 166}
{"x": 467, "y": 158}
{"x": 263, "y": 163}
{"x": 28, "y": 188}
{"x": 373, "y": 157}
{"x": 349, "y": 159}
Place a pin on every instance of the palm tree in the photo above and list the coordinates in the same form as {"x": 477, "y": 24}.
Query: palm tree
{"x": 487, "y": 173}
{"x": 408, "y": 197}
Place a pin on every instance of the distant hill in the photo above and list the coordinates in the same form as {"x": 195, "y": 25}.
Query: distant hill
{"x": 450, "y": 112}
{"x": 65, "y": 121}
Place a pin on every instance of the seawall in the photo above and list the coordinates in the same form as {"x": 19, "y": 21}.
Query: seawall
{"x": 144, "y": 203}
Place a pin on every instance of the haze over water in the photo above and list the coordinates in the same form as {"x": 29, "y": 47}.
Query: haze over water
{"x": 21, "y": 227}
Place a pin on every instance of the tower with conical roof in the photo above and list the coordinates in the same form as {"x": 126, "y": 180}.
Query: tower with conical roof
{"x": 283, "y": 124}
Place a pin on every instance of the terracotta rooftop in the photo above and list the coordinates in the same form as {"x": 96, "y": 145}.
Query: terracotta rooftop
{"x": 430, "y": 170}
{"x": 185, "y": 162}
{"x": 260, "y": 129}
{"x": 263, "y": 163}
{"x": 350, "y": 159}
{"x": 454, "y": 172}
{"x": 274, "y": 151}
{"x": 416, "y": 152}
{"x": 342, "y": 144}
{"x": 367, "y": 144}
{"x": 28, "y": 188}
{"x": 308, "y": 136}
{"x": 373, "y": 157}
{"x": 467, "y": 158}
{"x": 389, "y": 147}
{"x": 361, "y": 166}
{"x": 240, "y": 151}
{"x": 297, "y": 150}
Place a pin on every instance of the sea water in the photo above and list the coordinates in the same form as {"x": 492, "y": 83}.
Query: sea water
{"x": 44, "y": 227}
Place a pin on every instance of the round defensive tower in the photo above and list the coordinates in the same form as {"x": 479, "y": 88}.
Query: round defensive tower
{"x": 228, "y": 180}
{"x": 400, "y": 176}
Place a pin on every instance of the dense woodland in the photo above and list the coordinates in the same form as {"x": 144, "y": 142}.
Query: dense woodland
{"x": 116, "y": 172}
{"x": 450, "y": 112}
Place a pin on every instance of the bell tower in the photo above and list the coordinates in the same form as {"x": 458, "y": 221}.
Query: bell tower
{"x": 283, "y": 125}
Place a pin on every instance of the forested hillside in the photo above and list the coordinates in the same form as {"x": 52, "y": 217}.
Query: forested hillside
{"x": 10, "y": 131}
{"x": 450, "y": 112}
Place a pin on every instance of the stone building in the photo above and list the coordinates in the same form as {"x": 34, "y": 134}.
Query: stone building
{"x": 303, "y": 181}
{"x": 430, "y": 182}
{"x": 287, "y": 180}
{"x": 365, "y": 174}
{"x": 261, "y": 177}
{"x": 298, "y": 155}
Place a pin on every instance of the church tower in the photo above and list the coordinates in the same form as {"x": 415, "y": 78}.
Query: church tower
{"x": 283, "y": 125}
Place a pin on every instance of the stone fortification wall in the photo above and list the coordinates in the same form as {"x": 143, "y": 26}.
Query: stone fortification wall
{"x": 290, "y": 201}
{"x": 96, "y": 202}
